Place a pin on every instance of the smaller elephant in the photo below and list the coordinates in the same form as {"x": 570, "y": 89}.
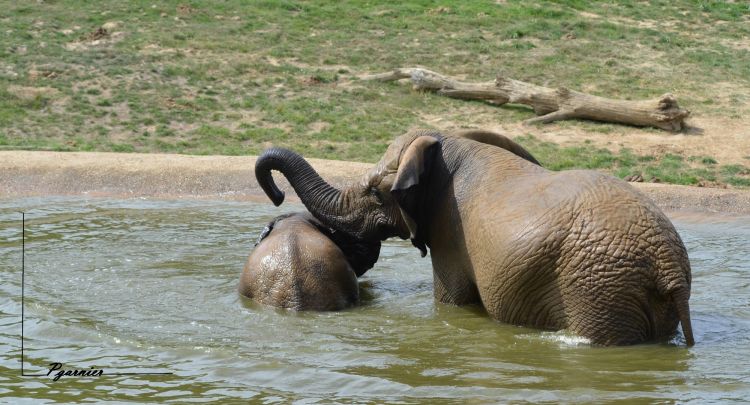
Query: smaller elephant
{"x": 298, "y": 263}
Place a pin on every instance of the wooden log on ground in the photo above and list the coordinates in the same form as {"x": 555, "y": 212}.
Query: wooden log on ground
{"x": 549, "y": 104}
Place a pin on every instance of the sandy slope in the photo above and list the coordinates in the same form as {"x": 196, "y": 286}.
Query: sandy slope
{"x": 24, "y": 173}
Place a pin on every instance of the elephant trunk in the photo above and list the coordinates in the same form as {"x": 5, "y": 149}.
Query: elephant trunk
{"x": 325, "y": 202}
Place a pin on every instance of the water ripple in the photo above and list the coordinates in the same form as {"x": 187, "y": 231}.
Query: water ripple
{"x": 150, "y": 285}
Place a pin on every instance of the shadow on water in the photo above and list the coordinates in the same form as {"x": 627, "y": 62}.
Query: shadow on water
{"x": 152, "y": 285}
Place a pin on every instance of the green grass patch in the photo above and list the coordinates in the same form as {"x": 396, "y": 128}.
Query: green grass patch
{"x": 234, "y": 78}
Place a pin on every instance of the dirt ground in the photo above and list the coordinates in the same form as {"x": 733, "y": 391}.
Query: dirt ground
{"x": 724, "y": 139}
{"x": 126, "y": 175}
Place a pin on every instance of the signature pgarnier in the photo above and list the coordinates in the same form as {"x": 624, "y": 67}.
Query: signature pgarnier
{"x": 72, "y": 372}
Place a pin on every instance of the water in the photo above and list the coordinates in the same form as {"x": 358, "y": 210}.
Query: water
{"x": 150, "y": 286}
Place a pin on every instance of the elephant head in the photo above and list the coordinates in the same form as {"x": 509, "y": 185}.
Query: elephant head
{"x": 387, "y": 201}
{"x": 299, "y": 264}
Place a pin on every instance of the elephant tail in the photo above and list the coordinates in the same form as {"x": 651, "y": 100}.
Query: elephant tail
{"x": 680, "y": 299}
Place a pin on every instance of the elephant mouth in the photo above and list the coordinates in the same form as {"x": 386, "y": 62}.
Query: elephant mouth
{"x": 382, "y": 233}
{"x": 403, "y": 234}
{"x": 385, "y": 229}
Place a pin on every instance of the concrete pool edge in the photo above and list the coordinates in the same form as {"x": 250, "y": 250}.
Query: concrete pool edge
{"x": 106, "y": 174}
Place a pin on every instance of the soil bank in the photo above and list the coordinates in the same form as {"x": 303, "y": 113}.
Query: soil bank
{"x": 123, "y": 175}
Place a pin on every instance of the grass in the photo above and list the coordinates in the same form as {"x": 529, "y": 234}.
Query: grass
{"x": 234, "y": 77}
{"x": 667, "y": 168}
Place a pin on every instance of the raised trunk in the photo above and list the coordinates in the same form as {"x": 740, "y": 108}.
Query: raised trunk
{"x": 325, "y": 202}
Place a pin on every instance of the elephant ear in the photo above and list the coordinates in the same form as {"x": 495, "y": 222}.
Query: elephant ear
{"x": 268, "y": 228}
{"x": 360, "y": 254}
{"x": 411, "y": 180}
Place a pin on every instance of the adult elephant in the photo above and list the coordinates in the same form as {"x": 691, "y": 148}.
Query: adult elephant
{"x": 301, "y": 264}
{"x": 575, "y": 250}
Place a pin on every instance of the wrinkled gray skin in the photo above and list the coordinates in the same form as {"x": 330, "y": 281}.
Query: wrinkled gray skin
{"x": 300, "y": 264}
{"x": 575, "y": 250}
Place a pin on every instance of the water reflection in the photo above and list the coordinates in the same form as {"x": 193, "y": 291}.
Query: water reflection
{"x": 151, "y": 285}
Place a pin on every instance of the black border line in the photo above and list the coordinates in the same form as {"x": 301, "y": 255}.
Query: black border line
{"x": 23, "y": 291}
{"x": 23, "y": 285}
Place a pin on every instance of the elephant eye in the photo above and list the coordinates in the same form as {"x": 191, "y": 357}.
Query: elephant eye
{"x": 376, "y": 193}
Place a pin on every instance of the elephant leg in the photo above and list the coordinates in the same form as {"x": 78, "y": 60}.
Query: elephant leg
{"x": 614, "y": 325}
{"x": 625, "y": 311}
{"x": 450, "y": 289}
{"x": 452, "y": 272}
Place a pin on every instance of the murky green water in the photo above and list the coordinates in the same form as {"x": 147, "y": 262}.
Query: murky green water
{"x": 150, "y": 286}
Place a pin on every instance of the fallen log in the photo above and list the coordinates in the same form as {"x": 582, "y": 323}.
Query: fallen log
{"x": 549, "y": 104}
